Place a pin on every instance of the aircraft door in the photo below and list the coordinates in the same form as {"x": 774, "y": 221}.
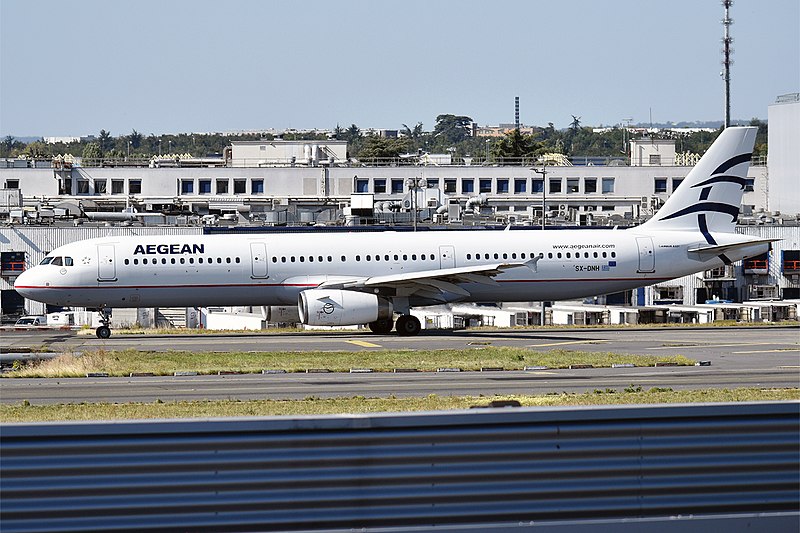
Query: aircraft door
{"x": 106, "y": 267}
{"x": 258, "y": 259}
{"x": 447, "y": 255}
{"x": 647, "y": 255}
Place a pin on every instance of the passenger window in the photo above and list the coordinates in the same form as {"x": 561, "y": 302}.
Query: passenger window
{"x": 144, "y": 261}
{"x": 183, "y": 260}
{"x": 127, "y": 261}
{"x": 172, "y": 260}
{"x": 135, "y": 261}
{"x": 559, "y": 255}
{"x": 219, "y": 260}
{"x": 283, "y": 259}
{"x": 604, "y": 255}
{"x": 505, "y": 256}
{"x": 550, "y": 255}
{"x": 613, "y": 254}
{"x": 595, "y": 255}
{"x": 358, "y": 258}
{"x": 344, "y": 259}
{"x": 469, "y": 256}
{"x": 369, "y": 258}
{"x": 405, "y": 257}
{"x": 302, "y": 259}
{"x": 330, "y": 259}
{"x": 413, "y": 257}
{"x": 422, "y": 257}
{"x": 521, "y": 256}
{"x": 228, "y": 259}
{"x": 238, "y": 260}
{"x": 191, "y": 260}
{"x": 496, "y": 256}
{"x": 513, "y": 256}
{"x": 200, "y": 260}
{"x": 274, "y": 259}
{"x": 163, "y": 260}
{"x": 386, "y": 257}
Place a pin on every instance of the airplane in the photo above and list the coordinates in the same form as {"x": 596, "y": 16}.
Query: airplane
{"x": 339, "y": 279}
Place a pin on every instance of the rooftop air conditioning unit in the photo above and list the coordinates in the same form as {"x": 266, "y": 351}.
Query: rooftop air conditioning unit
{"x": 563, "y": 207}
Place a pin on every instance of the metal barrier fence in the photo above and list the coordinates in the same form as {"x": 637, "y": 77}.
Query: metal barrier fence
{"x": 481, "y": 469}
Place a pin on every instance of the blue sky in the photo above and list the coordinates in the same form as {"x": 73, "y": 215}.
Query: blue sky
{"x": 73, "y": 67}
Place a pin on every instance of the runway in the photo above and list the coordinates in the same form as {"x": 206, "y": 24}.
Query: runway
{"x": 739, "y": 357}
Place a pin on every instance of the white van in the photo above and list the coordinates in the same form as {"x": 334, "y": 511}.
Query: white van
{"x": 28, "y": 321}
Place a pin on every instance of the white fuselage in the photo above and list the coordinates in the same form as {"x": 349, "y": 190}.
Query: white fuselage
{"x": 272, "y": 269}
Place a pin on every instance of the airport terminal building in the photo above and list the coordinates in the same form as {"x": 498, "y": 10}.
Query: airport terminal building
{"x": 286, "y": 185}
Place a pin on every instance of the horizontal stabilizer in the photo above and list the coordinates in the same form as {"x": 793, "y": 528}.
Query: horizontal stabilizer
{"x": 717, "y": 249}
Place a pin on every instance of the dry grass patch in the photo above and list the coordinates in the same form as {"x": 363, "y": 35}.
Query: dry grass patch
{"x": 123, "y": 363}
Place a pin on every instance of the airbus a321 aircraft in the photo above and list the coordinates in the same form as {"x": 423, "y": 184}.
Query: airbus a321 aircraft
{"x": 340, "y": 279}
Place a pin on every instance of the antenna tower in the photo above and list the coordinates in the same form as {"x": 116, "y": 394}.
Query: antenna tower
{"x": 726, "y": 59}
{"x": 516, "y": 112}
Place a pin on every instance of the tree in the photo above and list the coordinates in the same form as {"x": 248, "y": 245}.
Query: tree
{"x": 135, "y": 139}
{"x": 381, "y": 148}
{"x": 452, "y": 129}
{"x": 92, "y": 151}
{"x": 105, "y": 141}
{"x": 37, "y": 149}
{"x": 515, "y": 145}
{"x": 416, "y": 133}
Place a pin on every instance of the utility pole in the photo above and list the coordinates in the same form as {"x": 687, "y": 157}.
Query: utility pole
{"x": 726, "y": 59}
{"x": 543, "y": 172}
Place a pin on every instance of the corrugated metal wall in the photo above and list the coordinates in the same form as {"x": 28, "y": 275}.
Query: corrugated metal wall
{"x": 508, "y": 466}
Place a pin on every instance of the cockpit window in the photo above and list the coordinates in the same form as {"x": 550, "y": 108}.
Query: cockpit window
{"x": 56, "y": 261}
{"x": 68, "y": 261}
{"x": 46, "y": 261}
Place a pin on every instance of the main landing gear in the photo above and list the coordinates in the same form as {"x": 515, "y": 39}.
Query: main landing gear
{"x": 407, "y": 326}
{"x": 104, "y": 331}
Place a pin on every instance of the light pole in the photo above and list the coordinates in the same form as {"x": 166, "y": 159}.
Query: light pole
{"x": 543, "y": 172}
{"x": 488, "y": 142}
{"x": 129, "y": 149}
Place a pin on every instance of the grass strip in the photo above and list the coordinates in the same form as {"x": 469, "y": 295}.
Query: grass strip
{"x": 125, "y": 362}
{"x": 359, "y": 404}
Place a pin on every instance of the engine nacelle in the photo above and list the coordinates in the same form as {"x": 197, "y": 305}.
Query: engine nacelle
{"x": 333, "y": 307}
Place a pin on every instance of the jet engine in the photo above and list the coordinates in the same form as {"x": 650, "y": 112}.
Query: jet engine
{"x": 333, "y": 307}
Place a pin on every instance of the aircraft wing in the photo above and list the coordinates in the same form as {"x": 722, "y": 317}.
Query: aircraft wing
{"x": 717, "y": 249}
{"x": 431, "y": 283}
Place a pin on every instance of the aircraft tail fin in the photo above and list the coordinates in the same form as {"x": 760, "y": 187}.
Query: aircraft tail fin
{"x": 708, "y": 199}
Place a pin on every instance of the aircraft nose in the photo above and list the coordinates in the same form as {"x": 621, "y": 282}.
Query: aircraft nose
{"x": 25, "y": 284}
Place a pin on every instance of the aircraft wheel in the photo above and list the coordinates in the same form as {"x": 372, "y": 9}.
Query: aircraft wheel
{"x": 103, "y": 332}
{"x": 382, "y": 326}
{"x": 408, "y": 326}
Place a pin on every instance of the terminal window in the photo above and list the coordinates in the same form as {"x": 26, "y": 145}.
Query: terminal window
{"x": 135, "y": 187}
{"x": 204, "y": 186}
{"x": 12, "y": 184}
{"x": 590, "y": 185}
{"x": 257, "y": 186}
{"x": 555, "y": 185}
{"x": 239, "y": 186}
{"x": 502, "y": 186}
{"x": 520, "y": 186}
{"x": 660, "y": 185}
{"x": 83, "y": 187}
{"x": 117, "y": 186}
{"x": 467, "y": 186}
{"x": 222, "y": 186}
{"x": 100, "y": 187}
{"x": 538, "y": 186}
{"x": 608, "y": 185}
{"x": 450, "y": 185}
{"x": 397, "y": 186}
{"x": 362, "y": 185}
{"x": 485, "y": 185}
{"x": 380, "y": 185}
{"x": 573, "y": 185}
{"x": 187, "y": 186}
{"x": 676, "y": 183}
